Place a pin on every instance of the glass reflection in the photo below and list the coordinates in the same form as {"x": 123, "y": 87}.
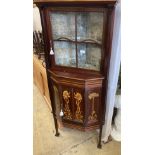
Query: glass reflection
{"x": 65, "y": 54}
{"x": 89, "y": 56}
{"x": 90, "y": 26}
{"x": 63, "y": 25}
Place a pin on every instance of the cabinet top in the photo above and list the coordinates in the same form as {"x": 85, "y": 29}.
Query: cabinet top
{"x": 75, "y": 1}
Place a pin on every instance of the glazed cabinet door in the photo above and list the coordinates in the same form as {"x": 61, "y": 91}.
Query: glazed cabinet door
{"x": 74, "y": 36}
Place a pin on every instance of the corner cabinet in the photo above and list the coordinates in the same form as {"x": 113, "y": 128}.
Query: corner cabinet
{"x": 78, "y": 40}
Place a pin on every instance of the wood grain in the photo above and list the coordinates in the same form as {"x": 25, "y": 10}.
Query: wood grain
{"x": 76, "y": 1}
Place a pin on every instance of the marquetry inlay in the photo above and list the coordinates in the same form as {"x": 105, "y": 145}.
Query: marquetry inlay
{"x": 93, "y": 116}
{"x": 78, "y": 98}
{"x": 67, "y": 112}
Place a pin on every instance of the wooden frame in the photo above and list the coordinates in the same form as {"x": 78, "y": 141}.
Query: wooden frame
{"x": 49, "y": 29}
{"x": 44, "y": 5}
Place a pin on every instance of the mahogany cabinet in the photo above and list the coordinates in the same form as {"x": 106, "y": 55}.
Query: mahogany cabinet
{"x": 78, "y": 40}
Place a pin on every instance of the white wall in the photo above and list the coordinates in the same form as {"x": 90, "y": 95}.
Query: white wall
{"x": 36, "y": 19}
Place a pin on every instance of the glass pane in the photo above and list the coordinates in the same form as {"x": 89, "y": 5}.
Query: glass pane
{"x": 63, "y": 24}
{"x": 90, "y": 26}
{"x": 65, "y": 53}
{"x": 89, "y": 56}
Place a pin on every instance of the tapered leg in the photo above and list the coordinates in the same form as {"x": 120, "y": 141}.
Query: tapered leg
{"x": 55, "y": 120}
{"x": 52, "y": 97}
{"x": 56, "y": 127}
{"x": 102, "y": 119}
{"x": 48, "y": 65}
{"x": 100, "y": 136}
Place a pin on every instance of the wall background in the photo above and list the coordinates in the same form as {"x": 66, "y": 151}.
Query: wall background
{"x": 36, "y": 19}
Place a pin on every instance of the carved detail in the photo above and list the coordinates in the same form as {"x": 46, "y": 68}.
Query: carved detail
{"x": 93, "y": 116}
{"x": 67, "y": 112}
{"x": 78, "y": 98}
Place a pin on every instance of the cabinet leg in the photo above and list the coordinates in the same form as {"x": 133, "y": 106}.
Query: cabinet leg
{"x": 56, "y": 125}
{"x": 100, "y": 136}
{"x": 102, "y": 118}
{"x": 99, "y": 146}
{"x": 53, "y": 108}
{"x": 57, "y": 134}
{"x": 56, "y": 128}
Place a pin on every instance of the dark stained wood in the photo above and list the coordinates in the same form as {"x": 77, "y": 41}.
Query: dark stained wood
{"x": 76, "y": 40}
{"x": 76, "y": 76}
{"x": 75, "y": 1}
{"x": 77, "y": 9}
{"x": 77, "y": 84}
{"x": 106, "y": 66}
{"x": 76, "y": 126}
{"x": 50, "y": 40}
{"x": 75, "y": 70}
{"x": 104, "y": 34}
{"x": 79, "y": 80}
{"x": 47, "y": 60}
